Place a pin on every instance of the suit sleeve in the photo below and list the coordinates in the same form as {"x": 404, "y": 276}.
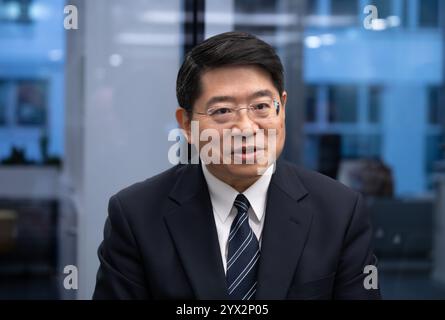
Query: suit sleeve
{"x": 120, "y": 274}
{"x": 357, "y": 253}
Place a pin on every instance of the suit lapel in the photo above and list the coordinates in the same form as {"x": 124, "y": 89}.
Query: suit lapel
{"x": 192, "y": 227}
{"x": 285, "y": 231}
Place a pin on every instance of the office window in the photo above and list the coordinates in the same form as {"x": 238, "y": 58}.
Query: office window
{"x": 361, "y": 146}
{"x": 435, "y": 113}
{"x": 17, "y": 11}
{"x": 434, "y": 151}
{"x": 31, "y": 102}
{"x": 404, "y": 14}
{"x": 255, "y": 22}
{"x": 311, "y": 104}
{"x": 344, "y": 7}
{"x": 250, "y": 6}
{"x": 3, "y": 102}
{"x": 342, "y": 104}
{"x": 375, "y": 102}
{"x": 383, "y": 8}
{"x": 429, "y": 13}
{"x": 312, "y": 7}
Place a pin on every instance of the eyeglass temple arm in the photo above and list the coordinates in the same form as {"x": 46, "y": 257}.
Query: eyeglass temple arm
{"x": 277, "y": 105}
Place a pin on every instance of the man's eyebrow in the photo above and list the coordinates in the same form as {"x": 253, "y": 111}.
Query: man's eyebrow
{"x": 261, "y": 93}
{"x": 257, "y": 94}
{"x": 217, "y": 99}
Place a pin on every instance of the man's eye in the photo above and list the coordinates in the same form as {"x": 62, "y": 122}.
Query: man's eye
{"x": 220, "y": 111}
{"x": 261, "y": 106}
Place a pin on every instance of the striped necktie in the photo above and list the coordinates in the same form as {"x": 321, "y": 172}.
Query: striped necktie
{"x": 243, "y": 254}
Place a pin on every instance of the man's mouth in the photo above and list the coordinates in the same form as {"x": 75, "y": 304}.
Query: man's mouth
{"x": 246, "y": 153}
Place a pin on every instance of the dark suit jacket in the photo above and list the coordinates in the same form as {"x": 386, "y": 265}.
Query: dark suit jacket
{"x": 160, "y": 240}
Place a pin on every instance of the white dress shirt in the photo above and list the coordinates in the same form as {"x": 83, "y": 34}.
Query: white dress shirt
{"x": 223, "y": 196}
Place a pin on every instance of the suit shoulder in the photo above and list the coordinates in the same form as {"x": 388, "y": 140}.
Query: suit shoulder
{"x": 333, "y": 202}
{"x": 322, "y": 185}
{"x": 148, "y": 188}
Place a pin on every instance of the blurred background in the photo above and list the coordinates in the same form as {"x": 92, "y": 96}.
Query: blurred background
{"x": 85, "y": 112}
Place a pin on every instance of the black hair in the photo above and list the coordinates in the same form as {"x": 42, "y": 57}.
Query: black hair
{"x": 225, "y": 49}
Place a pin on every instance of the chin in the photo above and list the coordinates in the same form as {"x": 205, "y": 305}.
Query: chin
{"x": 244, "y": 170}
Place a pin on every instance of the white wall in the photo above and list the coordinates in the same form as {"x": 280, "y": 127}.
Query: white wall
{"x": 121, "y": 114}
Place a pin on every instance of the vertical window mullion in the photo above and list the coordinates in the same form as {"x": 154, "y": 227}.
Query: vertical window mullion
{"x": 194, "y": 23}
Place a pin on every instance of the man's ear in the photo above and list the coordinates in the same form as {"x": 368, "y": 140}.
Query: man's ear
{"x": 283, "y": 102}
{"x": 184, "y": 122}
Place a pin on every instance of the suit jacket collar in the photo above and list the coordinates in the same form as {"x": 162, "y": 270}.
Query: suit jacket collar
{"x": 193, "y": 230}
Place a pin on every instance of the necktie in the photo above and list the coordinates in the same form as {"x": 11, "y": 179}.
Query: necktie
{"x": 243, "y": 254}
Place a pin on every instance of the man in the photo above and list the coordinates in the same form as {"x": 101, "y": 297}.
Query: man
{"x": 241, "y": 226}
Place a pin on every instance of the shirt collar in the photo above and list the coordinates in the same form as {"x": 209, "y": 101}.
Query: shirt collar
{"x": 223, "y": 195}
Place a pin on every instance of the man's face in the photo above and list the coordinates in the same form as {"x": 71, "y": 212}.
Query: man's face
{"x": 246, "y": 90}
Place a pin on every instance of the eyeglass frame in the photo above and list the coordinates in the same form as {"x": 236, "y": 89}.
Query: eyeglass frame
{"x": 276, "y": 104}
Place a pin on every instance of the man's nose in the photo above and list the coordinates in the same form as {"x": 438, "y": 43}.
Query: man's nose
{"x": 244, "y": 122}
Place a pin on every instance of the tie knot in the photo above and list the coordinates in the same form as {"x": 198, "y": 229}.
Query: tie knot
{"x": 241, "y": 203}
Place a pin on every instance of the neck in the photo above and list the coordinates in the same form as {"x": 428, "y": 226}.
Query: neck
{"x": 239, "y": 184}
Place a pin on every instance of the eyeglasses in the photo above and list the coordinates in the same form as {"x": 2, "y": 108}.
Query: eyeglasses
{"x": 260, "y": 110}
